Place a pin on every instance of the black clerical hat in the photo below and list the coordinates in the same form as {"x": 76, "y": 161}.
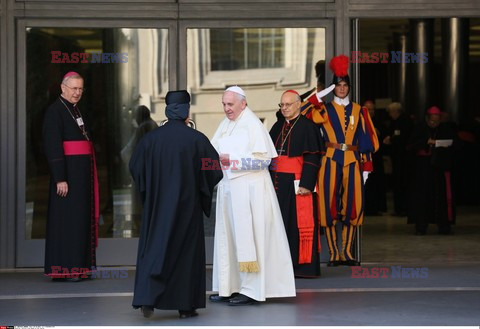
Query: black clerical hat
{"x": 177, "y": 97}
{"x": 178, "y": 104}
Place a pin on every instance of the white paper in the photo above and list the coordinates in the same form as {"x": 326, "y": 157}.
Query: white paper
{"x": 443, "y": 142}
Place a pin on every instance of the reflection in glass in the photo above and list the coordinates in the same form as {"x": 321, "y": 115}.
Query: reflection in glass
{"x": 237, "y": 49}
{"x": 263, "y": 61}
{"x": 123, "y": 69}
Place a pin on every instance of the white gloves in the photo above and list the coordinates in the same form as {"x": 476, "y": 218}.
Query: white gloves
{"x": 365, "y": 176}
{"x": 325, "y": 92}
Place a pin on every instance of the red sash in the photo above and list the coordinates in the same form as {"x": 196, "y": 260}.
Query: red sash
{"x": 305, "y": 224}
{"x": 424, "y": 153}
{"x": 84, "y": 148}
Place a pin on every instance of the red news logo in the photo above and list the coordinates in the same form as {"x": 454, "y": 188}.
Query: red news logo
{"x": 96, "y": 57}
{"x": 397, "y": 272}
{"x": 242, "y": 164}
{"x": 369, "y": 273}
{"x": 393, "y": 57}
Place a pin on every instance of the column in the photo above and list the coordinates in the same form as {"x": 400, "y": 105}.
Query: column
{"x": 455, "y": 45}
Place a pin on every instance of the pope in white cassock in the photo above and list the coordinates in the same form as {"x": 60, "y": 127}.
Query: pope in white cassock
{"x": 251, "y": 253}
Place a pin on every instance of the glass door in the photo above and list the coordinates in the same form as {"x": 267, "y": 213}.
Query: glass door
{"x": 130, "y": 68}
{"x": 126, "y": 74}
{"x": 263, "y": 61}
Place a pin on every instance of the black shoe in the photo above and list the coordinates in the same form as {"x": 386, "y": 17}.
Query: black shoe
{"x": 77, "y": 279}
{"x": 333, "y": 263}
{"x": 147, "y": 311}
{"x": 220, "y": 299}
{"x": 241, "y": 300}
{"x": 58, "y": 279}
{"x": 187, "y": 314}
{"x": 351, "y": 262}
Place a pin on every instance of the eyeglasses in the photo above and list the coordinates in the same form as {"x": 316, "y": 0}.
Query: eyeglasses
{"x": 286, "y": 105}
{"x": 76, "y": 89}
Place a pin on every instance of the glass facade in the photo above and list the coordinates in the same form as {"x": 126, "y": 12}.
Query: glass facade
{"x": 264, "y": 62}
{"x": 123, "y": 69}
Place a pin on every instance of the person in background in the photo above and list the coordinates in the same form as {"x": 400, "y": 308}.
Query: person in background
{"x": 432, "y": 200}
{"x": 375, "y": 187}
{"x": 320, "y": 75}
{"x": 396, "y": 139}
{"x": 144, "y": 124}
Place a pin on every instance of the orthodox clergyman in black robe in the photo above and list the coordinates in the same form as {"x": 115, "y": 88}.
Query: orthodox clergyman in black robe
{"x": 298, "y": 143}
{"x": 73, "y": 196}
{"x": 176, "y": 189}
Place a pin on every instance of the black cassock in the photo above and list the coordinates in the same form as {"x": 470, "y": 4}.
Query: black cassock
{"x": 70, "y": 236}
{"x": 431, "y": 198}
{"x": 304, "y": 139}
{"x": 175, "y": 190}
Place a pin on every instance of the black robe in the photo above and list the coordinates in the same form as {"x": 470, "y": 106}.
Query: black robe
{"x": 167, "y": 169}
{"x": 432, "y": 181}
{"x": 70, "y": 236}
{"x": 304, "y": 140}
{"x": 399, "y": 131}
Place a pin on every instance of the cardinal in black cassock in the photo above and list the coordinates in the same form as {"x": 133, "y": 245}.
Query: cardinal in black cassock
{"x": 175, "y": 190}
{"x": 432, "y": 200}
{"x": 299, "y": 145}
{"x": 73, "y": 195}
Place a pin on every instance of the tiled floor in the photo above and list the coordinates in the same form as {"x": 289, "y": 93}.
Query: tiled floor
{"x": 446, "y": 293}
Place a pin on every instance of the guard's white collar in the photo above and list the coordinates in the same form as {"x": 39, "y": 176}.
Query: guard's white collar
{"x": 341, "y": 101}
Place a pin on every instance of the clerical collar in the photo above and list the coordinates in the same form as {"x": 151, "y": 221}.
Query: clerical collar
{"x": 289, "y": 121}
{"x": 70, "y": 105}
{"x": 341, "y": 101}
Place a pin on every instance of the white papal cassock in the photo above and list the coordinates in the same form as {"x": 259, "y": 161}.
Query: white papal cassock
{"x": 249, "y": 226}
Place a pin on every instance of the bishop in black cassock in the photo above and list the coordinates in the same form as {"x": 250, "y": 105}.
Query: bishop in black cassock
{"x": 432, "y": 200}
{"x": 73, "y": 200}
{"x": 298, "y": 143}
{"x": 175, "y": 190}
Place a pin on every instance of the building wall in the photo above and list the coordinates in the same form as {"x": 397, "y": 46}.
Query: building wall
{"x": 16, "y": 15}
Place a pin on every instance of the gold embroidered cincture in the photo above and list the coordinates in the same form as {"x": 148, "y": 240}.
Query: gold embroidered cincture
{"x": 250, "y": 267}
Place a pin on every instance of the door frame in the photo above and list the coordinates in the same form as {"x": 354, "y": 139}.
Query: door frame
{"x": 110, "y": 251}
{"x": 184, "y": 25}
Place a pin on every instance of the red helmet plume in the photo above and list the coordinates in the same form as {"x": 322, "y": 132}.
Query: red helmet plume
{"x": 339, "y": 65}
